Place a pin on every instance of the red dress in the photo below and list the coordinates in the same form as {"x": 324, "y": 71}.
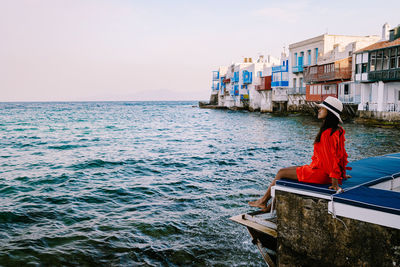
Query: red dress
{"x": 329, "y": 160}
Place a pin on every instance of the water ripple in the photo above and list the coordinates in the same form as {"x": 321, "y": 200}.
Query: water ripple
{"x": 144, "y": 183}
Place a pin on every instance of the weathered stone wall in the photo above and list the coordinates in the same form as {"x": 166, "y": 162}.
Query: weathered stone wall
{"x": 214, "y": 99}
{"x": 309, "y": 236}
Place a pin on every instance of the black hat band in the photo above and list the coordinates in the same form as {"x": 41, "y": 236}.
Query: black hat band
{"x": 331, "y": 107}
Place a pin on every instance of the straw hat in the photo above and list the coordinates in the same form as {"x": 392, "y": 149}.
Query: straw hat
{"x": 334, "y": 105}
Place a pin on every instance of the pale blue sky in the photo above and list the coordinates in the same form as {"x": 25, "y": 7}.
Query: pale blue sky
{"x": 70, "y": 50}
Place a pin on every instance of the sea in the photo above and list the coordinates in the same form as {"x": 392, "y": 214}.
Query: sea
{"x": 145, "y": 183}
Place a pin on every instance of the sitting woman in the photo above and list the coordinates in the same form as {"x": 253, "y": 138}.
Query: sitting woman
{"x": 329, "y": 160}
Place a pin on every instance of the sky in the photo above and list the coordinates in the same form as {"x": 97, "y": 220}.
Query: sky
{"x": 128, "y": 50}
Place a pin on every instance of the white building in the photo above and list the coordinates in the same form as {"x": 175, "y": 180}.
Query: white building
{"x": 377, "y": 70}
{"x": 259, "y": 70}
{"x": 321, "y": 50}
{"x": 238, "y": 83}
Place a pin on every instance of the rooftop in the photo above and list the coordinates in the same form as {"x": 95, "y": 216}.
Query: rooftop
{"x": 380, "y": 45}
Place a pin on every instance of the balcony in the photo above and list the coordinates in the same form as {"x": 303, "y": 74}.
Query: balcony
{"x": 297, "y": 91}
{"x": 215, "y": 86}
{"x": 384, "y": 75}
{"x": 215, "y": 75}
{"x": 350, "y": 99}
{"x": 280, "y": 84}
{"x": 338, "y": 70}
{"x": 319, "y": 75}
{"x": 370, "y": 106}
{"x": 297, "y": 69}
{"x": 247, "y": 77}
{"x": 265, "y": 84}
{"x": 391, "y": 107}
{"x": 281, "y": 68}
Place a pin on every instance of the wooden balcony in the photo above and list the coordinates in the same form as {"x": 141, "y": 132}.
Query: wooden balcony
{"x": 338, "y": 70}
{"x": 384, "y": 75}
{"x": 265, "y": 84}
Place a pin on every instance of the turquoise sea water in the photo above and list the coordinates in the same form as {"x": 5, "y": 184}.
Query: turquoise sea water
{"x": 145, "y": 183}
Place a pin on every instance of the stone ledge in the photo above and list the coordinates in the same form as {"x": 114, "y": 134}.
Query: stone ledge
{"x": 309, "y": 236}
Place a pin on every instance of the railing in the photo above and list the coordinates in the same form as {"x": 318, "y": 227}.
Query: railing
{"x": 370, "y": 106}
{"x": 279, "y": 68}
{"x": 384, "y": 75}
{"x": 215, "y": 86}
{"x": 297, "y": 91}
{"x": 280, "y": 84}
{"x": 298, "y": 68}
{"x": 391, "y": 107}
{"x": 350, "y": 99}
{"x": 320, "y": 76}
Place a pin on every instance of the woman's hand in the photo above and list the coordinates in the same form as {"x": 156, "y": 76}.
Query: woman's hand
{"x": 335, "y": 185}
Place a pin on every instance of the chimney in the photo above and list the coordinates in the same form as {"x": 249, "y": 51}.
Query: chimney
{"x": 385, "y": 32}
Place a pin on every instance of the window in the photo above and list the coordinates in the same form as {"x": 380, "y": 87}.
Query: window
{"x": 372, "y": 61}
{"x": 379, "y": 56}
{"x": 364, "y": 67}
{"x": 398, "y": 57}
{"x": 301, "y": 82}
{"x": 316, "y": 55}
{"x": 346, "y": 89}
{"x": 329, "y": 68}
{"x": 301, "y": 59}
{"x": 295, "y": 59}
{"x": 309, "y": 57}
{"x": 398, "y": 98}
{"x": 392, "y": 58}
{"x": 386, "y": 59}
{"x": 294, "y": 82}
{"x": 259, "y": 74}
{"x": 358, "y": 68}
{"x": 313, "y": 70}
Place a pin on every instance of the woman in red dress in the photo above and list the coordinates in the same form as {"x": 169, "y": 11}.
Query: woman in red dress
{"x": 329, "y": 159}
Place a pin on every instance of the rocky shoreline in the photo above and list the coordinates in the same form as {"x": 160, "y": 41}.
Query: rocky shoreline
{"x": 350, "y": 114}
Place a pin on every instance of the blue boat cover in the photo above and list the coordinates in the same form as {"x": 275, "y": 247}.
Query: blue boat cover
{"x": 371, "y": 198}
{"x": 365, "y": 172}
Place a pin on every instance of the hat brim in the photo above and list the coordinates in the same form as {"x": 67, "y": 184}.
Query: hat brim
{"x": 334, "y": 112}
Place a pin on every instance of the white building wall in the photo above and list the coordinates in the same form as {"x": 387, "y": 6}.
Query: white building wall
{"x": 304, "y": 46}
{"x": 266, "y": 101}
{"x": 330, "y": 48}
{"x": 257, "y": 99}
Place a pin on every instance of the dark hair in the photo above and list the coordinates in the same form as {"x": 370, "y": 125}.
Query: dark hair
{"x": 331, "y": 121}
